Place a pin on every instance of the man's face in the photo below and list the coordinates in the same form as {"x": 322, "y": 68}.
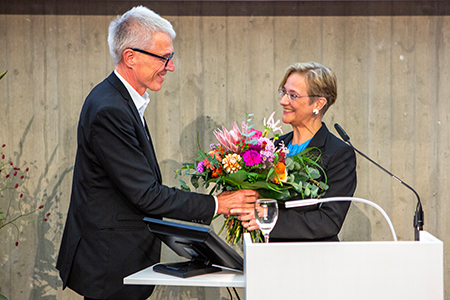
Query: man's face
{"x": 149, "y": 70}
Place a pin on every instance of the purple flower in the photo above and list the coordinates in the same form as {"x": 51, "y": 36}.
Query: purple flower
{"x": 200, "y": 168}
{"x": 251, "y": 158}
{"x": 257, "y": 147}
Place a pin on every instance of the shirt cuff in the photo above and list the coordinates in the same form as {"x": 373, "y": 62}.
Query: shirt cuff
{"x": 217, "y": 205}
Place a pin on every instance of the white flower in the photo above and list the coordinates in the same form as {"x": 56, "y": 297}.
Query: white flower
{"x": 271, "y": 125}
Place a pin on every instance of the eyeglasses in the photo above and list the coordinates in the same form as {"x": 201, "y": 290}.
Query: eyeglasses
{"x": 292, "y": 97}
{"x": 166, "y": 59}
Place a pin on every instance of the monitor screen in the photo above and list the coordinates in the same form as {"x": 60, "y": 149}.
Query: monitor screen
{"x": 200, "y": 245}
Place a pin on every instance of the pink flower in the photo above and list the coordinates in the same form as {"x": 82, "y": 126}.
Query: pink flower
{"x": 17, "y": 244}
{"x": 256, "y": 135}
{"x": 41, "y": 207}
{"x": 229, "y": 139}
{"x": 251, "y": 158}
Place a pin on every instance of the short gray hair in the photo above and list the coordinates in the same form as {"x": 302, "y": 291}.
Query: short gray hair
{"x": 320, "y": 79}
{"x": 135, "y": 29}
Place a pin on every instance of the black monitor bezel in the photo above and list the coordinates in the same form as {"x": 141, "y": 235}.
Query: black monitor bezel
{"x": 205, "y": 251}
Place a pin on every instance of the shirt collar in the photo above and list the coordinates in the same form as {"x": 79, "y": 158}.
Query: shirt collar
{"x": 139, "y": 101}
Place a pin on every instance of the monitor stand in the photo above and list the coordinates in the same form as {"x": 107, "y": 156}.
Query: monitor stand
{"x": 186, "y": 269}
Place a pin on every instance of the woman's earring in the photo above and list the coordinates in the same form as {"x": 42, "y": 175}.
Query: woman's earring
{"x": 315, "y": 112}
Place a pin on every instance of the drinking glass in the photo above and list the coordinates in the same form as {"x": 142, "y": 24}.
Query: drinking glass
{"x": 266, "y": 214}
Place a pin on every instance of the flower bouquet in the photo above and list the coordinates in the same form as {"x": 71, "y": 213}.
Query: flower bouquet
{"x": 246, "y": 158}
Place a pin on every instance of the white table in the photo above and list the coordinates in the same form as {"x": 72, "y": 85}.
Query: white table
{"x": 225, "y": 278}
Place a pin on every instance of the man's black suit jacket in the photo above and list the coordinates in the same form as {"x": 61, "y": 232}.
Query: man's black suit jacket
{"x": 116, "y": 183}
{"x": 321, "y": 222}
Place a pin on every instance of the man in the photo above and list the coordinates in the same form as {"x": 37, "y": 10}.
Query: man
{"x": 117, "y": 181}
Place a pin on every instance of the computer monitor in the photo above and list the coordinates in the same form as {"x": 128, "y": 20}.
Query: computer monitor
{"x": 201, "y": 245}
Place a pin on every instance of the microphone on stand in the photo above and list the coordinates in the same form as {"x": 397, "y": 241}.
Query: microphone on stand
{"x": 418, "y": 216}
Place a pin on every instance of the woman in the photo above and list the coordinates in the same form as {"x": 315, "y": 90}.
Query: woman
{"x": 307, "y": 91}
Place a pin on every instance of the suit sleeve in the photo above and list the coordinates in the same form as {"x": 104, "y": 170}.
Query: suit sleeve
{"x": 121, "y": 148}
{"x": 322, "y": 221}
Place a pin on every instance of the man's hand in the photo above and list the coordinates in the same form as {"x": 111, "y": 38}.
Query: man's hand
{"x": 242, "y": 199}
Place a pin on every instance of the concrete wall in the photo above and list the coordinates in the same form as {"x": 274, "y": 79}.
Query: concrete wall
{"x": 391, "y": 58}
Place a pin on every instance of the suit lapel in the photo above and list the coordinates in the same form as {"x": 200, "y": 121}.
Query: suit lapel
{"x": 158, "y": 171}
{"x": 145, "y": 133}
{"x": 319, "y": 138}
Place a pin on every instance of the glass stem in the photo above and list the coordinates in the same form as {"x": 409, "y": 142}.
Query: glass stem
{"x": 266, "y": 238}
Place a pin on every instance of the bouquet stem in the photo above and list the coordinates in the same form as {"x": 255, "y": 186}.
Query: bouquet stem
{"x": 235, "y": 230}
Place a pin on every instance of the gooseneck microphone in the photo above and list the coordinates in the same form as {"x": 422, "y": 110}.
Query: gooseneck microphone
{"x": 418, "y": 216}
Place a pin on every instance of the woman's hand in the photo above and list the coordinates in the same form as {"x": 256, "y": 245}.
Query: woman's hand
{"x": 247, "y": 217}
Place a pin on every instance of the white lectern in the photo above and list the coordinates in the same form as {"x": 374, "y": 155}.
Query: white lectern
{"x": 345, "y": 270}
{"x": 328, "y": 270}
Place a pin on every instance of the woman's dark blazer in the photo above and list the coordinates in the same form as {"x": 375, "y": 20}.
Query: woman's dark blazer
{"x": 116, "y": 183}
{"x": 321, "y": 222}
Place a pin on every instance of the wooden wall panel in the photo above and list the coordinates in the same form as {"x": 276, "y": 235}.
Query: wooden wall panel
{"x": 392, "y": 63}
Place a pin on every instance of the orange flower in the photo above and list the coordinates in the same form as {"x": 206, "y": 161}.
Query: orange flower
{"x": 212, "y": 154}
{"x": 280, "y": 169}
{"x": 216, "y": 154}
{"x": 217, "y": 172}
{"x": 231, "y": 163}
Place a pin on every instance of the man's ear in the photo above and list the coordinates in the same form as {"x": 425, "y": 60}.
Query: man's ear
{"x": 129, "y": 57}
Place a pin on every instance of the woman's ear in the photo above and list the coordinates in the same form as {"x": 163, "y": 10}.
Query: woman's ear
{"x": 320, "y": 103}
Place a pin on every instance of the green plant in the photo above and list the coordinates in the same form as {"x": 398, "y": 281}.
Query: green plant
{"x": 11, "y": 179}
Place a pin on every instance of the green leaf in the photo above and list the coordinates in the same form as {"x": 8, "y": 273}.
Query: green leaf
{"x": 1, "y": 296}
{"x": 194, "y": 182}
{"x": 323, "y": 185}
{"x": 298, "y": 187}
{"x": 314, "y": 191}
{"x": 3, "y": 74}
{"x": 267, "y": 193}
{"x": 301, "y": 176}
{"x": 307, "y": 192}
{"x": 314, "y": 173}
{"x": 184, "y": 186}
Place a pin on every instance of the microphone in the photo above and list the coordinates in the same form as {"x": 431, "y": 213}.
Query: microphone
{"x": 418, "y": 216}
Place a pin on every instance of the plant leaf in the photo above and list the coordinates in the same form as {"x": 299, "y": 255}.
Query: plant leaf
{"x": 3, "y": 74}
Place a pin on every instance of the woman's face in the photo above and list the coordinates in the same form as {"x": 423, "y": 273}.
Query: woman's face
{"x": 300, "y": 111}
